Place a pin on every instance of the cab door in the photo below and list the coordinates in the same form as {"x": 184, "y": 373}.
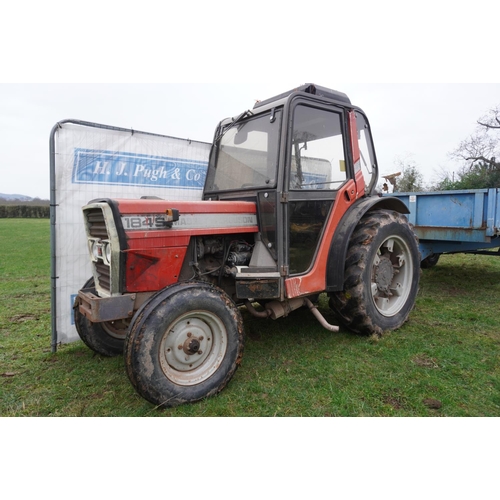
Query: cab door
{"x": 316, "y": 169}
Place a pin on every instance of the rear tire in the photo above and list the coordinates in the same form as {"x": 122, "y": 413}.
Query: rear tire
{"x": 184, "y": 344}
{"x": 381, "y": 276}
{"x": 107, "y": 338}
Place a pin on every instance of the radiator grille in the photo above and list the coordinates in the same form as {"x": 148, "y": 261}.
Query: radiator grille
{"x": 96, "y": 223}
{"x": 97, "y": 229}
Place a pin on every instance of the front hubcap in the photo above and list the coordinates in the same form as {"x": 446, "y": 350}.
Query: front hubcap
{"x": 193, "y": 347}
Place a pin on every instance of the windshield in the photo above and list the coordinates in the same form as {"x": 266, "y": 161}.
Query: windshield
{"x": 246, "y": 156}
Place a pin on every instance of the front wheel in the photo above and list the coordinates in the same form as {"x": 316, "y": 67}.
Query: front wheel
{"x": 106, "y": 338}
{"x": 184, "y": 344}
{"x": 381, "y": 276}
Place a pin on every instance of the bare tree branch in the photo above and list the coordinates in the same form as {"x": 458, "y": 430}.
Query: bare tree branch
{"x": 484, "y": 145}
{"x": 492, "y": 162}
{"x": 487, "y": 125}
{"x": 491, "y": 120}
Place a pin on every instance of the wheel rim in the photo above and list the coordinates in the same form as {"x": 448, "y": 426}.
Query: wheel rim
{"x": 392, "y": 276}
{"x": 116, "y": 329}
{"x": 193, "y": 347}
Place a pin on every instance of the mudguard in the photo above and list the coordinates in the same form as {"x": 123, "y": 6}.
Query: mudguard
{"x": 340, "y": 241}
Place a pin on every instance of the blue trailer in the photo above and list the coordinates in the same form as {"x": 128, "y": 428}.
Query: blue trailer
{"x": 454, "y": 222}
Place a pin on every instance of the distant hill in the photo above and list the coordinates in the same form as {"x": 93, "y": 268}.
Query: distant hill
{"x": 19, "y": 197}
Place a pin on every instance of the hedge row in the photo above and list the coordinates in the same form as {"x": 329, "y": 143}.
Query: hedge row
{"x": 24, "y": 211}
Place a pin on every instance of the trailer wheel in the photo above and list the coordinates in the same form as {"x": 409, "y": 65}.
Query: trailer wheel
{"x": 107, "y": 338}
{"x": 184, "y": 344}
{"x": 381, "y": 276}
{"x": 430, "y": 261}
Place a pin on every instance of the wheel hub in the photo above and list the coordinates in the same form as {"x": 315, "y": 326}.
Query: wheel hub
{"x": 192, "y": 345}
{"x": 189, "y": 345}
{"x": 384, "y": 274}
{"x": 117, "y": 329}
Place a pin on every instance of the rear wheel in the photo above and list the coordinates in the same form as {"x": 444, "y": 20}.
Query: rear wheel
{"x": 107, "y": 338}
{"x": 184, "y": 345}
{"x": 381, "y": 276}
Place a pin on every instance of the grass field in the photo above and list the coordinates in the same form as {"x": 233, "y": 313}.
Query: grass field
{"x": 444, "y": 362}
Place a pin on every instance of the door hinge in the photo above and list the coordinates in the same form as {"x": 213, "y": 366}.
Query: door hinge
{"x": 284, "y": 198}
{"x": 284, "y": 270}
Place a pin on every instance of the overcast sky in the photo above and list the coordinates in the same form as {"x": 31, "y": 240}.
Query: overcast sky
{"x": 220, "y": 41}
{"x": 420, "y": 123}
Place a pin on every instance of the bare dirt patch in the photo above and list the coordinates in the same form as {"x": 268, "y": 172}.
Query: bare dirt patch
{"x": 395, "y": 399}
{"x": 425, "y": 361}
{"x": 433, "y": 404}
{"x": 21, "y": 318}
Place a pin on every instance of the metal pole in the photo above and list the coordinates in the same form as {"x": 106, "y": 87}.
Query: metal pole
{"x": 53, "y": 206}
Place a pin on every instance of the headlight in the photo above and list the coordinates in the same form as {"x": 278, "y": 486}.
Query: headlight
{"x": 100, "y": 251}
{"x": 95, "y": 250}
{"x": 107, "y": 254}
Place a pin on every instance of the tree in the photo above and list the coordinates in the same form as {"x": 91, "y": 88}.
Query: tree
{"x": 479, "y": 176}
{"x": 480, "y": 155}
{"x": 410, "y": 180}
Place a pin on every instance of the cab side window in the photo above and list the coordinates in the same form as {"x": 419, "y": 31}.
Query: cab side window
{"x": 317, "y": 160}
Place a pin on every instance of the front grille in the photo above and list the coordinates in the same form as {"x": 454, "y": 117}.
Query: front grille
{"x": 96, "y": 223}
{"x": 103, "y": 276}
{"x": 96, "y": 228}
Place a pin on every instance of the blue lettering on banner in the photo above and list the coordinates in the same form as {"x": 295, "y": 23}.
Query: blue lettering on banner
{"x": 113, "y": 167}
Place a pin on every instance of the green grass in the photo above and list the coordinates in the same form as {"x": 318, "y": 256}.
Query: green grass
{"x": 444, "y": 362}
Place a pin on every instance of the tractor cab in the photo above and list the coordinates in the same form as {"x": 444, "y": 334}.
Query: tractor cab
{"x": 295, "y": 155}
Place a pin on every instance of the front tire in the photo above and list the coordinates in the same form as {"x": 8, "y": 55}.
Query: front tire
{"x": 381, "y": 276}
{"x": 106, "y": 338}
{"x": 184, "y": 344}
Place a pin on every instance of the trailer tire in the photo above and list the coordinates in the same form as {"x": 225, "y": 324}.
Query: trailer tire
{"x": 381, "y": 275}
{"x": 430, "y": 261}
{"x": 106, "y": 338}
{"x": 184, "y": 344}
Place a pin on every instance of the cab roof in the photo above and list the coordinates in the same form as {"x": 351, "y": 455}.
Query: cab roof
{"x": 308, "y": 88}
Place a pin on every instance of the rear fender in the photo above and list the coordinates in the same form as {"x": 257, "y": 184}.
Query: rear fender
{"x": 340, "y": 241}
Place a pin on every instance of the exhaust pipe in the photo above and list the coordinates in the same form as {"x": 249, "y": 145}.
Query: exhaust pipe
{"x": 275, "y": 310}
{"x": 320, "y": 317}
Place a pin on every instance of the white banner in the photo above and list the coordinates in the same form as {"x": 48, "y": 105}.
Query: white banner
{"x": 92, "y": 161}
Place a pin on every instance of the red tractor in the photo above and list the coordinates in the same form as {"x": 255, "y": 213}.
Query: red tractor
{"x": 289, "y": 211}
